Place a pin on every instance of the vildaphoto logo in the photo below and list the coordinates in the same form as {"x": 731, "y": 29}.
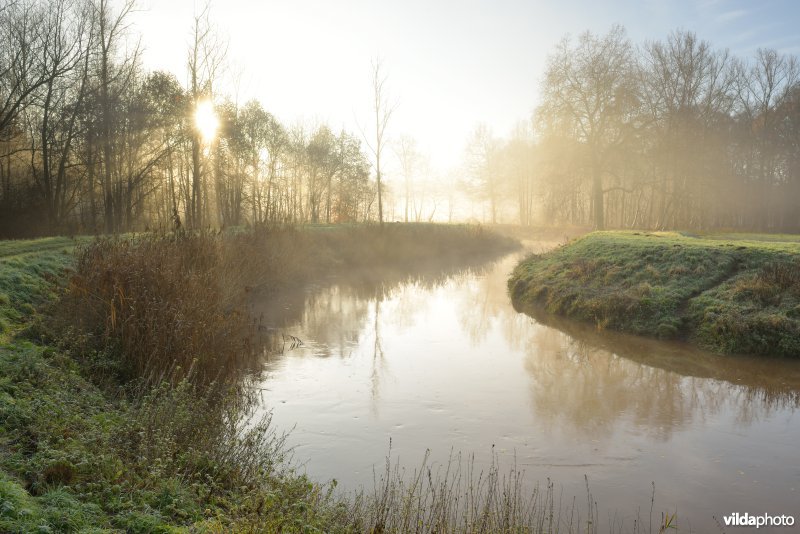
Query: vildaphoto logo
{"x": 764, "y": 520}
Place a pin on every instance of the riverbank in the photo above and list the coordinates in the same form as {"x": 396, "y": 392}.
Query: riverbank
{"x": 118, "y": 407}
{"x": 724, "y": 293}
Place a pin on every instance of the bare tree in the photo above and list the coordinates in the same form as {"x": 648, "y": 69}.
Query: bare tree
{"x": 24, "y": 59}
{"x": 590, "y": 90}
{"x": 58, "y": 104}
{"x": 115, "y": 74}
{"x": 409, "y": 156}
{"x": 205, "y": 59}
{"x": 383, "y": 110}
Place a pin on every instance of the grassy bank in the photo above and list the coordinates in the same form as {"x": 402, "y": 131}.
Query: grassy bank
{"x": 727, "y": 295}
{"x": 88, "y": 444}
{"x": 27, "y": 272}
{"x": 121, "y": 408}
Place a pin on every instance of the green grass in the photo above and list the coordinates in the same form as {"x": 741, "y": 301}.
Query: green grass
{"x": 727, "y": 295}
{"x": 75, "y": 459}
{"x": 82, "y": 455}
{"x": 27, "y": 272}
{"x": 759, "y": 238}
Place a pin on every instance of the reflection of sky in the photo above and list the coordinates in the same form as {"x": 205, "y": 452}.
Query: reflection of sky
{"x": 456, "y": 368}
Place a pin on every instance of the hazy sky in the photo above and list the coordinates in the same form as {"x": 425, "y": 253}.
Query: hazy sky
{"x": 450, "y": 64}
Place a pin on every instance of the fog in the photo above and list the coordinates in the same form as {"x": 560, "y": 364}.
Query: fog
{"x": 670, "y": 131}
{"x": 266, "y": 174}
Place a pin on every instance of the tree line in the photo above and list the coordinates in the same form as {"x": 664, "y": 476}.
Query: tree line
{"x": 91, "y": 142}
{"x": 668, "y": 134}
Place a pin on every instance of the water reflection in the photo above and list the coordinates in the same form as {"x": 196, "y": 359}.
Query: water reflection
{"x": 378, "y": 362}
{"x": 662, "y": 384}
{"x": 333, "y": 313}
{"x": 443, "y": 361}
{"x": 579, "y": 375}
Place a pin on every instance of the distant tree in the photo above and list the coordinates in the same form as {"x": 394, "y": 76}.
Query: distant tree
{"x": 115, "y": 74}
{"x": 765, "y": 92}
{"x": 687, "y": 89}
{"x": 27, "y": 36}
{"x": 204, "y": 61}
{"x": 590, "y": 90}
{"x": 483, "y": 161}
{"x": 53, "y": 116}
{"x": 353, "y": 185}
{"x": 383, "y": 110}
{"x": 518, "y": 162}
{"x": 162, "y": 103}
{"x": 409, "y": 157}
{"x": 264, "y": 143}
{"x": 323, "y": 163}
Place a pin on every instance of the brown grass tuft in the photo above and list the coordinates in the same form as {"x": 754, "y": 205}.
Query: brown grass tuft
{"x": 165, "y": 307}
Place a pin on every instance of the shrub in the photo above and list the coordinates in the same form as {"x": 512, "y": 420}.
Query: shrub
{"x": 157, "y": 305}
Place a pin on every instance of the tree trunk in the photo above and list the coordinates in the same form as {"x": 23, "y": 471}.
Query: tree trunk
{"x": 597, "y": 199}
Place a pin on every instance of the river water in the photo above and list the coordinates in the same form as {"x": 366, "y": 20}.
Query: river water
{"x": 444, "y": 363}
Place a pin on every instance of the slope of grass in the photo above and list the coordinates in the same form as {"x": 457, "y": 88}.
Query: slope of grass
{"x": 731, "y": 296}
{"x": 78, "y": 455}
{"x": 76, "y": 460}
{"x": 27, "y": 272}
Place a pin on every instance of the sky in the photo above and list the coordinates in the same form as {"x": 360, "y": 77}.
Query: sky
{"x": 449, "y": 64}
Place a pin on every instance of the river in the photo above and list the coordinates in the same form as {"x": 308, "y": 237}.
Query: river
{"x": 445, "y": 364}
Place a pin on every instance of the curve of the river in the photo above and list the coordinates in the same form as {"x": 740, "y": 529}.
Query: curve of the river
{"x": 445, "y": 363}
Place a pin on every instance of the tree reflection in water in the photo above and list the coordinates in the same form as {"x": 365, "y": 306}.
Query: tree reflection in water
{"x": 442, "y": 360}
{"x": 580, "y": 377}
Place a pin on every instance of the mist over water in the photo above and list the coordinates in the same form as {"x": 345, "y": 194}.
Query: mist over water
{"x": 446, "y": 364}
{"x": 226, "y": 152}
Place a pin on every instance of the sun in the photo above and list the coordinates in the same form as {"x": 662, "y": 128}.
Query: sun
{"x": 206, "y": 121}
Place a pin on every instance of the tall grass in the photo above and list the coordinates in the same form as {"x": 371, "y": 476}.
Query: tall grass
{"x": 156, "y": 305}
{"x": 212, "y": 436}
{"x": 457, "y": 497}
